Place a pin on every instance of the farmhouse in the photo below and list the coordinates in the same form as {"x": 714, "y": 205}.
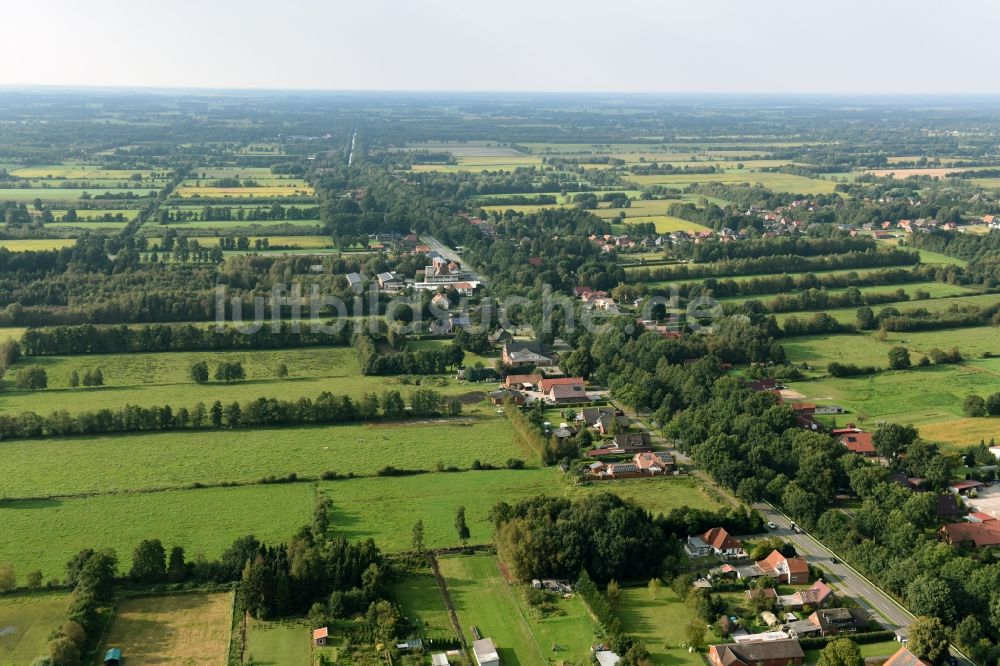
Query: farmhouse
{"x": 715, "y": 541}
{"x": 486, "y": 652}
{"x": 642, "y": 464}
{"x": 791, "y": 570}
{"x": 526, "y": 353}
{"x": 861, "y": 443}
{"x": 763, "y": 653}
{"x": 566, "y": 393}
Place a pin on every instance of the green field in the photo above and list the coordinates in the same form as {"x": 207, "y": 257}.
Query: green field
{"x": 279, "y": 643}
{"x": 295, "y": 189}
{"x": 779, "y": 182}
{"x": 79, "y": 172}
{"x": 935, "y": 289}
{"x": 849, "y": 315}
{"x": 660, "y": 624}
{"x": 35, "y": 245}
{"x": 44, "y": 534}
{"x": 53, "y": 194}
{"x": 164, "y": 378}
{"x": 420, "y": 598}
{"x": 11, "y": 333}
{"x": 485, "y": 600}
{"x": 75, "y": 465}
{"x": 26, "y": 622}
{"x": 384, "y": 509}
{"x": 820, "y": 350}
{"x": 225, "y": 227}
{"x": 85, "y": 214}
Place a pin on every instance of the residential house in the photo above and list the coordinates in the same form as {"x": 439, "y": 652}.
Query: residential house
{"x": 624, "y": 443}
{"x": 762, "y": 653}
{"x": 715, "y": 541}
{"x": 526, "y": 353}
{"x": 977, "y": 535}
{"x": 817, "y": 596}
{"x": 802, "y": 629}
{"x": 499, "y": 337}
{"x": 440, "y": 301}
{"x": 840, "y": 620}
{"x": 590, "y": 415}
{"x": 903, "y": 657}
{"x": 861, "y": 443}
{"x": 654, "y": 463}
{"x": 791, "y": 570}
{"x": 485, "y": 652}
{"x": 642, "y": 464}
{"x": 605, "y": 423}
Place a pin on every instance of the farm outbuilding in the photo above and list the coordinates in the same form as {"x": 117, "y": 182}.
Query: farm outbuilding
{"x": 321, "y": 635}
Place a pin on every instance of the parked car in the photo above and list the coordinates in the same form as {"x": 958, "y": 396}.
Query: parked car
{"x": 771, "y": 526}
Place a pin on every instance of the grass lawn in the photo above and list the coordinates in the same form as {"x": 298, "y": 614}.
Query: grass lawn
{"x": 883, "y": 649}
{"x": 36, "y": 244}
{"x": 484, "y": 600}
{"x": 422, "y": 602}
{"x": 164, "y": 378}
{"x": 25, "y": 624}
{"x": 660, "y": 624}
{"x": 189, "y": 629}
{"x": 279, "y": 643}
{"x": 142, "y": 461}
{"x": 45, "y": 534}
{"x": 820, "y": 350}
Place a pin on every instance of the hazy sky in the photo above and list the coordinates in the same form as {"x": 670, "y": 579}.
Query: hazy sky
{"x": 864, "y": 46}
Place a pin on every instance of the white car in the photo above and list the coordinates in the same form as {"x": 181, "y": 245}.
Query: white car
{"x": 771, "y": 525}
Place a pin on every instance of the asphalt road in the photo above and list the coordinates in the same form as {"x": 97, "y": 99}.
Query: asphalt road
{"x": 841, "y": 577}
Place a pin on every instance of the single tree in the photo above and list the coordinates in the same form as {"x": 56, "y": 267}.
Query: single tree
{"x": 199, "y": 372}
{"x": 899, "y": 358}
{"x": 614, "y": 592}
{"x": 149, "y": 562}
{"x": 460, "y": 526}
{"x": 281, "y": 372}
{"x": 841, "y": 652}
{"x": 418, "y": 537}
{"x": 974, "y": 405}
{"x": 8, "y": 579}
{"x": 929, "y": 639}
{"x": 74, "y": 379}
{"x": 33, "y": 579}
{"x": 654, "y": 588}
{"x": 176, "y": 566}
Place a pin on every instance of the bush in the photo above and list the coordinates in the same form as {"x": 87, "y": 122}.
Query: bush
{"x": 32, "y": 378}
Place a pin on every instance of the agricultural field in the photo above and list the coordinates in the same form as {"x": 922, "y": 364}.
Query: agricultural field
{"x": 86, "y": 172}
{"x": 481, "y": 163}
{"x": 164, "y": 378}
{"x": 44, "y": 534}
{"x": 229, "y": 227}
{"x": 421, "y": 600}
{"x": 26, "y": 622}
{"x": 483, "y": 599}
{"x": 67, "y": 195}
{"x": 11, "y": 333}
{"x": 35, "y": 244}
{"x": 780, "y": 182}
{"x": 143, "y": 461}
{"x": 820, "y": 350}
{"x": 279, "y": 643}
{"x": 262, "y": 192}
{"x": 660, "y": 624}
{"x": 87, "y": 214}
{"x": 189, "y": 629}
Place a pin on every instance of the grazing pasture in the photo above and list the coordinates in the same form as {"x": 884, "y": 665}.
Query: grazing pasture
{"x": 86, "y": 172}
{"x": 164, "y": 378}
{"x": 256, "y": 227}
{"x": 935, "y": 289}
{"x": 45, "y": 534}
{"x": 384, "y": 509}
{"x": 938, "y": 304}
{"x": 65, "y": 195}
{"x": 26, "y": 622}
{"x": 189, "y": 629}
{"x": 144, "y": 461}
{"x": 481, "y": 163}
